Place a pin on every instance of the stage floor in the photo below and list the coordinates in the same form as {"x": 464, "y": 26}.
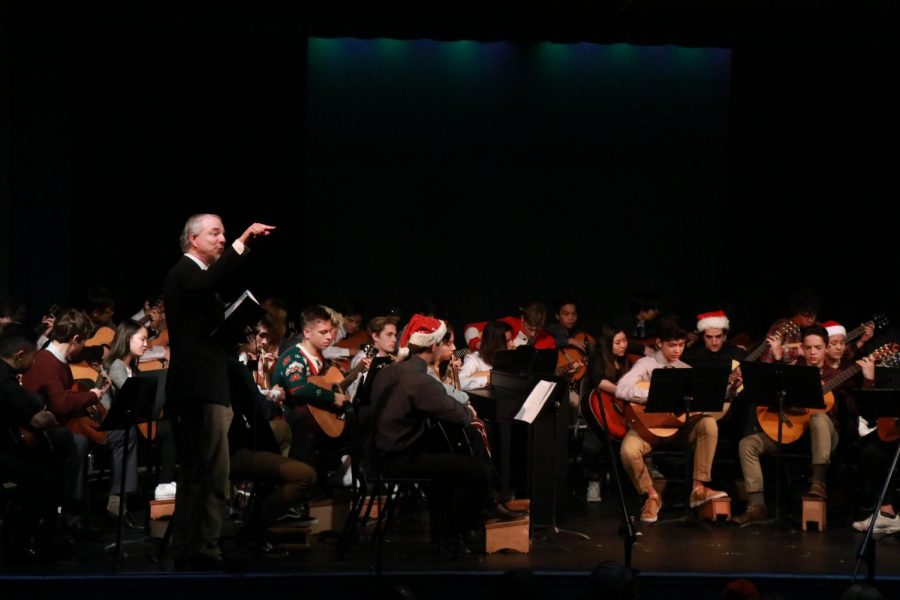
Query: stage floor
{"x": 667, "y": 555}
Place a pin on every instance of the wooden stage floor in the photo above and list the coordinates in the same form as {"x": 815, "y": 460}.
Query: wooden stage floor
{"x": 672, "y": 558}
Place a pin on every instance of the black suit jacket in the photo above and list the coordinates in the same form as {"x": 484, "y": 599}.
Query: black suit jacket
{"x": 198, "y": 371}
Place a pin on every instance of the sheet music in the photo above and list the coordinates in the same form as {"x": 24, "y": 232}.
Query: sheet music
{"x": 532, "y": 406}
{"x": 236, "y": 303}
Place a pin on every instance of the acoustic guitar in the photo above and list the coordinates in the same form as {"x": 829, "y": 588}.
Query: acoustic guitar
{"x": 657, "y": 427}
{"x": 88, "y": 421}
{"x": 329, "y": 421}
{"x": 569, "y": 356}
{"x": 798, "y": 419}
{"x": 615, "y": 424}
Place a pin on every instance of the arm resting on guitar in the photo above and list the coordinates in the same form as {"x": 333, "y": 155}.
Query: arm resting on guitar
{"x": 627, "y": 388}
{"x": 434, "y": 400}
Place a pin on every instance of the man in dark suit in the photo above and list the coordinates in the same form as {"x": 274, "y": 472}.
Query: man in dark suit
{"x": 197, "y": 389}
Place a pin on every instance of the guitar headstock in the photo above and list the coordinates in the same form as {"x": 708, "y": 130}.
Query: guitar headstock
{"x": 885, "y": 352}
{"x": 788, "y": 329}
{"x": 892, "y": 361}
{"x": 880, "y": 321}
{"x": 369, "y": 350}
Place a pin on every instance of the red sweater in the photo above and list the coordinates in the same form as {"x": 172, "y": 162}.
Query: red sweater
{"x": 53, "y": 380}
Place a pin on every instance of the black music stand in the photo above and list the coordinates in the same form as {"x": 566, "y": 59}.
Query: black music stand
{"x": 687, "y": 391}
{"x": 776, "y": 386}
{"x": 134, "y": 403}
{"x": 875, "y": 403}
{"x": 628, "y": 533}
{"x": 555, "y": 407}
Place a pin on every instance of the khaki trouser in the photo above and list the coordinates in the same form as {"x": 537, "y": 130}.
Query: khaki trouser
{"x": 824, "y": 439}
{"x": 292, "y": 480}
{"x": 701, "y": 432}
{"x": 202, "y": 437}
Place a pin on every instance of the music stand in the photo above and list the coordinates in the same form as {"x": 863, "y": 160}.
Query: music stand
{"x": 874, "y": 404}
{"x": 134, "y": 403}
{"x": 629, "y": 535}
{"x": 555, "y": 406}
{"x": 687, "y": 391}
{"x": 776, "y": 386}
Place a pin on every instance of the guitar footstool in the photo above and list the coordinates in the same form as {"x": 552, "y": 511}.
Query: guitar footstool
{"x": 814, "y": 511}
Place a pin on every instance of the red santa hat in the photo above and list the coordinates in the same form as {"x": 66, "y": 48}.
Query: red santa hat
{"x": 423, "y": 331}
{"x": 712, "y": 320}
{"x": 834, "y": 328}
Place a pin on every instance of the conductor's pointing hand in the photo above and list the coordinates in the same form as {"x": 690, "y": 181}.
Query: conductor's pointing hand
{"x": 256, "y": 230}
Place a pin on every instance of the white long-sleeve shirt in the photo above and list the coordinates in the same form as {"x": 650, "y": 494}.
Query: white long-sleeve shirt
{"x": 471, "y": 364}
{"x": 626, "y": 387}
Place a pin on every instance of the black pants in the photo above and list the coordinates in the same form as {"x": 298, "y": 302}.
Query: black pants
{"x": 875, "y": 457}
{"x": 465, "y": 481}
{"x": 39, "y": 481}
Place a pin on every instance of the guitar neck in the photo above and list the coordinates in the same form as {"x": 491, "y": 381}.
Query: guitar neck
{"x": 758, "y": 351}
{"x": 855, "y": 334}
{"x": 840, "y": 378}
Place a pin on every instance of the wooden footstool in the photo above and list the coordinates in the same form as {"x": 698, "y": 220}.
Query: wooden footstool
{"x": 509, "y": 535}
{"x": 814, "y": 511}
{"x": 712, "y": 510}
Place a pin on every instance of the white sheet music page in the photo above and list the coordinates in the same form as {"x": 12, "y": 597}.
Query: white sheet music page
{"x": 532, "y": 406}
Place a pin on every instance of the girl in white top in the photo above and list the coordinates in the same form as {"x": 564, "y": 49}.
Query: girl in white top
{"x": 476, "y": 369}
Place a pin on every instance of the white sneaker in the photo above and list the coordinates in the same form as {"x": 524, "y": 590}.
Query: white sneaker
{"x": 165, "y": 491}
{"x": 593, "y": 491}
{"x": 883, "y": 524}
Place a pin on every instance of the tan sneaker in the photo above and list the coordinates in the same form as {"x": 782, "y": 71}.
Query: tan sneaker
{"x": 753, "y": 514}
{"x": 702, "y": 494}
{"x": 650, "y": 512}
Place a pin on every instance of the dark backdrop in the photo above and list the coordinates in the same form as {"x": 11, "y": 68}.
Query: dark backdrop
{"x": 788, "y": 182}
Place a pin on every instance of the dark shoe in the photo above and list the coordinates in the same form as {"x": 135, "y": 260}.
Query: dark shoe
{"x": 753, "y": 514}
{"x": 817, "y": 490}
{"x": 128, "y": 523}
{"x": 80, "y": 529}
{"x": 501, "y": 512}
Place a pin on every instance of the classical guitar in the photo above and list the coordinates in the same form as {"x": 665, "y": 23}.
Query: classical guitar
{"x": 88, "y": 421}
{"x": 798, "y": 419}
{"x": 878, "y": 321}
{"x": 572, "y": 360}
{"x": 330, "y": 422}
{"x": 614, "y": 424}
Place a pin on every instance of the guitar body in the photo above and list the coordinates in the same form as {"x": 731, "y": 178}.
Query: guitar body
{"x": 104, "y": 335}
{"x": 795, "y": 427}
{"x": 888, "y": 429}
{"x": 569, "y": 356}
{"x": 330, "y": 423}
{"x": 654, "y": 428}
{"x": 88, "y": 424}
{"x": 615, "y": 424}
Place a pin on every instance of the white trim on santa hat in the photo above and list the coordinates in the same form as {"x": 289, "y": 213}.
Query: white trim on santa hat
{"x": 712, "y": 320}
{"x": 834, "y": 328}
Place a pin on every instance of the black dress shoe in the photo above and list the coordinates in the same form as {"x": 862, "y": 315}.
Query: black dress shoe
{"x": 128, "y": 523}
{"x": 502, "y": 512}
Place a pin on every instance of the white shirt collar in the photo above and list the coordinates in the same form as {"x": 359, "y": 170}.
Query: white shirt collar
{"x": 199, "y": 262}
{"x": 55, "y": 351}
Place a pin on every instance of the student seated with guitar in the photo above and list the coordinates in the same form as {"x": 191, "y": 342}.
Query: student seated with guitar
{"x": 701, "y": 431}
{"x": 565, "y": 330}
{"x": 527, "y": 329}
{"x": 713, "y": 329}
{"x": 406, "y": 399}
{"x": 51, "y": 377}
{"x": 295, "y": 367}
{"x": 126, "y": 350}
{"x": 822, "y": 424}
{"x": 477, "y": 366}
{"x": 607, "y": 364}
{"x": 383, "y": 337}
{"x": 28, "y": 457}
